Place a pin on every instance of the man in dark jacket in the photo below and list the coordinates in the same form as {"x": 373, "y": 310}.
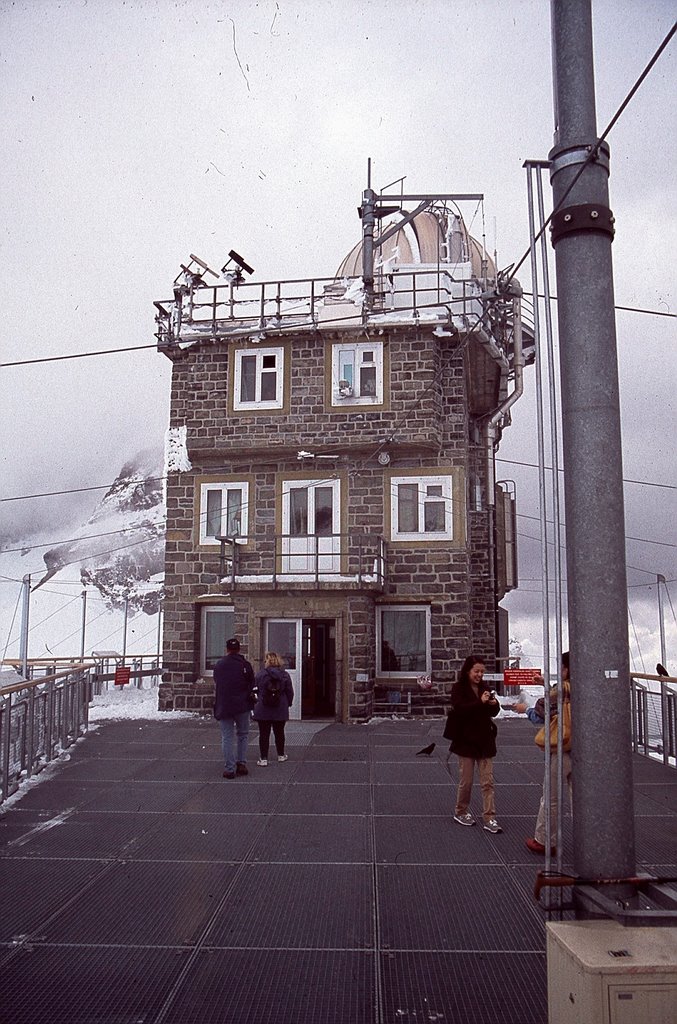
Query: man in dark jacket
{"x": 234, "y": 699}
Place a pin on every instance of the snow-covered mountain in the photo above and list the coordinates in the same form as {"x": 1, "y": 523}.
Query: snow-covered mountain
{"x": 115, "y": 561}
{"x": 120, "y": 549}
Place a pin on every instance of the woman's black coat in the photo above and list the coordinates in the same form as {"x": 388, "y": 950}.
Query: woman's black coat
{"x": 470, "y": 727}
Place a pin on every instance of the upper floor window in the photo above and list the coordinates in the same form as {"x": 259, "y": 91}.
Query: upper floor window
{"x": 357, "y": 374}
{"x": 421, "y": 507}
{"x": 223, "y": 511}
{"x": 311, "y": 525}
{"x": 259, "y": 378}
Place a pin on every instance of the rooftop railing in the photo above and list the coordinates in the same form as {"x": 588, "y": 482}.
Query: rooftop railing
{"x": 440, "y": 294}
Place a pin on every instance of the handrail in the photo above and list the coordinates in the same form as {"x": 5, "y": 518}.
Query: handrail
{"x": 39, "y": 719}
{"x": 359, "y": 558}
{"x": 26, "y": 684}
{"x": 268, "y": 305}
{"x": 654, "y": 717}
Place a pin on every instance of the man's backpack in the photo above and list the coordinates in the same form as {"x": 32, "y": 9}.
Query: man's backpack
{"x": 271, "y": 694}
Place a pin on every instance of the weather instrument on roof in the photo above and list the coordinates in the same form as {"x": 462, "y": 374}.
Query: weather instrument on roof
{"x": 236, "y": 274}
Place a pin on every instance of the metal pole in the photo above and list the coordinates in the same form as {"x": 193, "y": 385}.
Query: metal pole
{"x": 597, "y": 598}
{"x": 25, "y": 611}
{"x": 84, "y": 620}
{"x": 368, "y": 215}
{"x": 159, "y": 635}
{"x": 124, "y": 631}
{"x": 661, "y": 579}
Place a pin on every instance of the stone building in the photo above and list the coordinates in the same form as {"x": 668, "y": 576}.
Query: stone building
{"x": 331, "y": 493}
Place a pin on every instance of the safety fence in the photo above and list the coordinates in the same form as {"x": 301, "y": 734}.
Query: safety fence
{"x": 40, "y": 717}
{"x": 654, "y": 717}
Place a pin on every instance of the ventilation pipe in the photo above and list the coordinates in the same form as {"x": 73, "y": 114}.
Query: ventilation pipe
{"x": 499, "y": 413}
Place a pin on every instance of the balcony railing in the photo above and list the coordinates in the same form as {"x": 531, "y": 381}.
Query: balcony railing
{"x": 355, "y": 561}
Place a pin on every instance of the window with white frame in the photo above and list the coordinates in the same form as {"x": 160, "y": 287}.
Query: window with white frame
{"x": 217, "y": 625}
{"x": 259, "y": 378}
{"x": 421, "y": 508}
{"x": 403, "y": 640}
{"x": 224, "y": 509}
{"x": 357, "y": 374}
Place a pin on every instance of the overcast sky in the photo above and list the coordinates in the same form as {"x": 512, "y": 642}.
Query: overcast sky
{"x": 137, "y": 132}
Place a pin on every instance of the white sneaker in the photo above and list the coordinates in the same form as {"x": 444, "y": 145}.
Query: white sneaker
{"x": 262, "y": 763}
{"x": 282, "y": 757}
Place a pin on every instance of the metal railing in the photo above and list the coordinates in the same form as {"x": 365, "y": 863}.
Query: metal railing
{"x": 354, "y": 560}
{"x": 142, "y": 667}
{"x": 39, "y": 719}
{"x": 654, "y": 717}
{"x": 444, "y": 293}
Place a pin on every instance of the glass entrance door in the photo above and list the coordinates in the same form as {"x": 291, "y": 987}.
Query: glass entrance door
{"x": 308, "y": 649}
{"x": 284, "y": 637}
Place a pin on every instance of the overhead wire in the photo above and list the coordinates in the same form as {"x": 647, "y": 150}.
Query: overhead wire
{"x": 75, "y": 540}
{"x": 592, "y": 155}
{"x": 11, "y": 627}
{"x": 284, "y": 328}
{"x": 625, "y": 309}
{"x": 626, "y": 480}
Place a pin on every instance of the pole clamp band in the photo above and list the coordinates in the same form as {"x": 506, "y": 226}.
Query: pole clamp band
{"x": 575, "y": 155}
{"x": 586, "y": 217}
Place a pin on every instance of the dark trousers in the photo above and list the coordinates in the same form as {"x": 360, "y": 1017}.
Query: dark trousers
{"x": 264, "y": 738}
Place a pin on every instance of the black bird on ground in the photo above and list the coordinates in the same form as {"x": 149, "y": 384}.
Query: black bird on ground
{"x": 661, "y": 670}
{"x": 426, "y": 750}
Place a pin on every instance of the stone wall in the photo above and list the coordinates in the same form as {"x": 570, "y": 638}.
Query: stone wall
{"x": 425, "y": 422}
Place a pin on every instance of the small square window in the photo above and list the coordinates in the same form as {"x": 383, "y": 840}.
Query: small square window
{"x": 357, "y": 374}
{"x": 258, "y": 379}
{"x": 224, "y": 511}
{"x": 421, "y": 508}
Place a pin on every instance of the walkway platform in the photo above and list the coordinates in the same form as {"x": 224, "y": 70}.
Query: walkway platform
{"x": 140, "y": 887}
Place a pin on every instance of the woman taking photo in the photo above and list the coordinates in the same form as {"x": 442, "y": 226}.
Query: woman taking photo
{"x": 473, "y": 739}
{"x": 275, "y": 697}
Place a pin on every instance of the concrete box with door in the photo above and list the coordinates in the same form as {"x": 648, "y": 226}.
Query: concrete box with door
{"x": 601, "y": 972}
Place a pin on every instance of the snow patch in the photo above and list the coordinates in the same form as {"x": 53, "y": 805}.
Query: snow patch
{"x": 176, "y": 450}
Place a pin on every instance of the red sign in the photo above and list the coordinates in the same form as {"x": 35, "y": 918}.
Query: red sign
{"x": 122, "y": 675}
{"x": 520, "y": 676}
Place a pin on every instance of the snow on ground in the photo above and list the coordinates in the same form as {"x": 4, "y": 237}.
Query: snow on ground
{"x": 130, "y": 702}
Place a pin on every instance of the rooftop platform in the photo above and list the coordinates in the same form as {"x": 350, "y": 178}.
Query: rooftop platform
{"x": 138, "y": 885}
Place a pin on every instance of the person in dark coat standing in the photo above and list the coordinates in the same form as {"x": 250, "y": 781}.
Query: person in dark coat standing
{"x": 275, "y": 697}
{"x": 473, "y": 740}
{"x": 234, "y": 698}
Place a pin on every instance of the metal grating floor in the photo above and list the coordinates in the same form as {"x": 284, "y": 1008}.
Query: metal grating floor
{"x": 284, "y": 906}
{"x": 139, "y": 886}
{"x": 276, "y": 987}
{"x": 87, "y": 985}
{"x": 465, "y": 988}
